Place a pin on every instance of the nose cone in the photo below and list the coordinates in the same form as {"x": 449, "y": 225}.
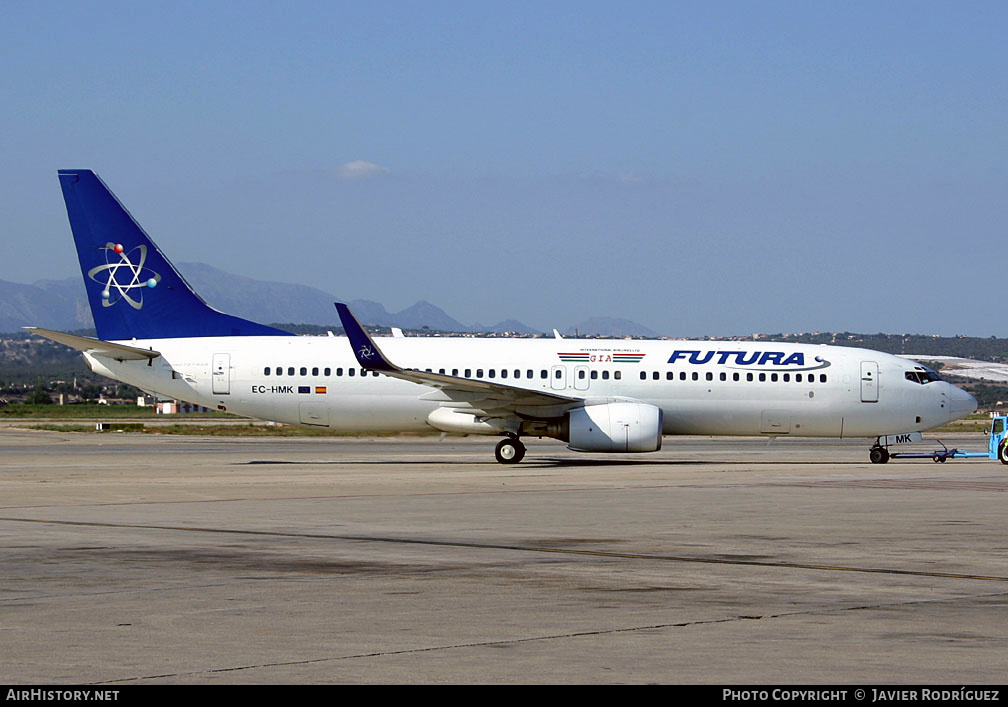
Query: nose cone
{"x": 961, "y": 403}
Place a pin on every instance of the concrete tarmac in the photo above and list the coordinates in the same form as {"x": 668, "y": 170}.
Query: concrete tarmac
{"x": 135, "y": 558}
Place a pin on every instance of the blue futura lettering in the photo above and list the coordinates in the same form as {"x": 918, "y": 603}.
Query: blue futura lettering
{"x": 740, "y": 358}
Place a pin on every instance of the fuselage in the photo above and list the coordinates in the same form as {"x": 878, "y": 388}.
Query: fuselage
{"x": 701, "y": 387}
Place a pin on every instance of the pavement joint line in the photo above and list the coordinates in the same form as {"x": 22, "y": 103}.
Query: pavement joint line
{"x": 518, "y": 548}
{"x": 548, "y": 637}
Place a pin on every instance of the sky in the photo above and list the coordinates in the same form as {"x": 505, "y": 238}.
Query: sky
{"x": 716, "y": 168}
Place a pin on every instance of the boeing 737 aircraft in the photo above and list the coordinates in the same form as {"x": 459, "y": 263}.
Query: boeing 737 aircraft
{"x": 156, "y": 333}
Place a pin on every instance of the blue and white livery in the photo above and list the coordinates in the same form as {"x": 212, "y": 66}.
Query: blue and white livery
{"x": 154, "y": 332}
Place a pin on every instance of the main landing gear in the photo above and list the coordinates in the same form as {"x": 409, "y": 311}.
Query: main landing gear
{"x": 510, "y": 450}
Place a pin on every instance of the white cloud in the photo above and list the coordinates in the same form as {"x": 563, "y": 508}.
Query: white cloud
{"x": 359, "y": 169}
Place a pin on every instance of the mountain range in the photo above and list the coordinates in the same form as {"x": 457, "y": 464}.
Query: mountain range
{"x": 61, "y": 304}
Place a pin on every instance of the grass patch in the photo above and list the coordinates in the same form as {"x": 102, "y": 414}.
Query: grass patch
{"x": 97, "y": 412}
{"x": 211, "y": 430}
{"x": 60, "y": 428}
{"x": 249, "y": 430}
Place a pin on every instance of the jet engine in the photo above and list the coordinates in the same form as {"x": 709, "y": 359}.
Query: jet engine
{"x": 615, "y": 427}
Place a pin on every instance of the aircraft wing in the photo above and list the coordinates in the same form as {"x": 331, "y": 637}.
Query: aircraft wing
{"x": 97, "y": 347}
{"x": 479, "y": 396}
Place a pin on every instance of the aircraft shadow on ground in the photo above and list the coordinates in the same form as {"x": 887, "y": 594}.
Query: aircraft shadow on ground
{"x": 550, "y": 463}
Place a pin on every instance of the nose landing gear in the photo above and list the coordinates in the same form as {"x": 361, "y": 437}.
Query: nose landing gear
{"x": 878, "y": 454}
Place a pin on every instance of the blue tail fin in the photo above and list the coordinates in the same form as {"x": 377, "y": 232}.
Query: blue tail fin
{"x": 133, "y": 290}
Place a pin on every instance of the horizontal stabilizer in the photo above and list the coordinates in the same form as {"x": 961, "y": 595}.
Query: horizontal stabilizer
{"x": 97, "y": 347}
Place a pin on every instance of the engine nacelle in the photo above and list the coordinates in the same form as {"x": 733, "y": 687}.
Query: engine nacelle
{"x": 458, "y": 422}
{"x": 615, "y": 427}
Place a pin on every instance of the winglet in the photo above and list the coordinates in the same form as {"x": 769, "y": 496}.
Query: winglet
{"x": 369, "y": 356}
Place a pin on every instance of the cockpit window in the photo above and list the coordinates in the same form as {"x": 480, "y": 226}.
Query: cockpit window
{"x": 923, "y": 376}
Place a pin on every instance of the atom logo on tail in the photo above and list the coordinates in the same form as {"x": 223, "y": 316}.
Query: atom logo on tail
{"x": 140, "y": 278}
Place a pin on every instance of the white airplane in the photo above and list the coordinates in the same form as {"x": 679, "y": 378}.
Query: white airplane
{"x": 156, "y": 333}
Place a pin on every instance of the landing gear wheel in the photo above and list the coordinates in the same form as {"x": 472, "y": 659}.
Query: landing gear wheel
{"x": 939, "y": 459}
{"x": 878, "y": 455}
{"x": 509, "y": 450}
{"x": 1003, "y": 451}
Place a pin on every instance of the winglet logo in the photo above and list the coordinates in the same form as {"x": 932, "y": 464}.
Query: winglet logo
{"x": 366, "y": 352}
{"x": 134, "y": 278}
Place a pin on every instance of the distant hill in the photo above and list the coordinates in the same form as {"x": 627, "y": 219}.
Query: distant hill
{"x": 611, "y": 327}
{"x": 53, "y": 304}
{"x": 61, "y": 304}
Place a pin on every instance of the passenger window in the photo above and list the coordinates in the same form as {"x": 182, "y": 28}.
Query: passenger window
{"x": 266, "y": 371}
{"x": 762, "y": 377}
{"x": 351, "y": 371}
{"x": 655, "y": 375}
{"x": 327, "y": 372}
{"x": 290, "y": 371}
{"x": 643, "y": 375}
{"x": 748, "y": 377}
{"x": 605, "y": 375}
{"x": 492, "y": 373}
{"x": 682, "y": 375}
{"x": 735, "y": 376}
{"x": 594, "y": 375}
{"x": 455, "y": 372}
{"x": 724, "y": 376}
{"x": 581, "y": 374}
{"x": 339, "y": 371}
{"x": 517, "y": 373}
{"x": 710, "y": 376}
{"x": 787, "y": 377}
{"x": 314, "y": 371}
{"x": 822, "y": 377}
{"x": 279, "y": 371}
{"x": 304, "y": 371}
{"x": 529, "y": 373}
{"x": 468, "y": 373}
{"x": 798, "y": 377}
{"x": 773, "y": 377}
{"x": 543, "y": 374}
{"x": 617, "y": 375}
{"x": 670, "y": 376}
{"x": 479, "y": 372}
{"x": 696, "y": 376}
{"x": 441, "y": 371}
{"x": 503, "y": 373}
{"x": 559, "y": 374}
